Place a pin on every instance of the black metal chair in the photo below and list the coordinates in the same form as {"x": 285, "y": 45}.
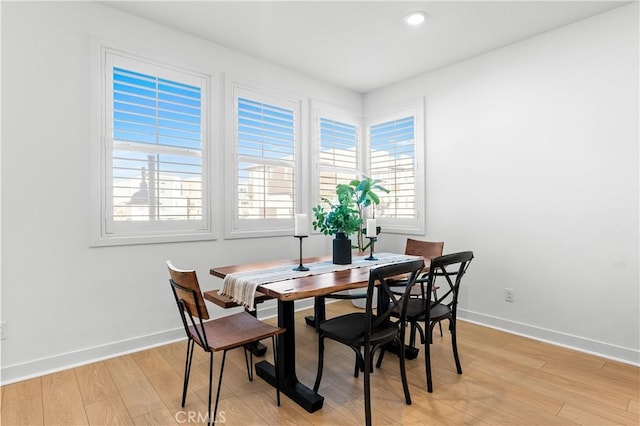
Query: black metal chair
{"x": 372, "y": 331}
{"x": 448, "y": 270}
{"x": 222, "y": 334}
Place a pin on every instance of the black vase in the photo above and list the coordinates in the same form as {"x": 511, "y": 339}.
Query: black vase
{"x": 341, "y": 249}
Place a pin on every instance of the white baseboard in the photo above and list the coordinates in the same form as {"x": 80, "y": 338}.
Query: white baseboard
{"x": 26, "y": 370}
{"x": 581, "y": 344}
{"x": 39, "y": 367}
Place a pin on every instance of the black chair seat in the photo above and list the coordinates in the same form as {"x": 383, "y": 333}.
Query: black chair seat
{"x": 349, "y": 329}
{"x": 416, "y": 311}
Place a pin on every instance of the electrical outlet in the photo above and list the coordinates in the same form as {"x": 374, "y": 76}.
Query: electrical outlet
{"x": 508, "y": 294}
{"x": 3, "y": 330}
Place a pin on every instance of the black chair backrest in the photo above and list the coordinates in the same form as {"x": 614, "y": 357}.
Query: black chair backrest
{"x": 389, "y": 302}
{"x": 451, "y": 268}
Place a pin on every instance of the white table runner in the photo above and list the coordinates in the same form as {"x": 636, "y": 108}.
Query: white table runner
{"x": 241, "y": 286}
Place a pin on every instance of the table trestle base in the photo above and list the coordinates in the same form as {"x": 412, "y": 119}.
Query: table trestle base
{"x": 299, "y": 393}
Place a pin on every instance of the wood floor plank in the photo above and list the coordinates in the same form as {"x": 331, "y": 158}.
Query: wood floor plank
{"x": 108, "y": 411}
{"x": 620, "y": 371}
{"x": 498, "y": 353}
{"x": 511, "y": 384}
{"x": 160, "y": 416}
{"x": 587, "y": 417}
{"x": 22, "y": 403}
{"x": 61, "y": 399}
{"x": 553, "y": 387}
{"x": 134, "y": 388}
{"x": 95, "y": 383}
{"x": 552, "y": 355}
{"x": 265, "y": 404}
{"x": 155, "y": 363}
{"x": 27, "y": 389}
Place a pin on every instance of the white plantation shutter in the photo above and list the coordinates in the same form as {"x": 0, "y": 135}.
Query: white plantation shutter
{"x": 392, "y": 153}
{"x": 266, "y": 134}
{"x": 338, "y": 158}
{"x": 155, "y": 149}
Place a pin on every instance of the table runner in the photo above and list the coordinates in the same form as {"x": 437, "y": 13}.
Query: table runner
{"x": 241, "y": 286}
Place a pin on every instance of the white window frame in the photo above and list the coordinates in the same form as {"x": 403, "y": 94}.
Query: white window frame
{"x": 416, "y": 225}
{"x": 235, "y": 227}
{"x": 104, "y": 231}
{"x": 321, "y": 110}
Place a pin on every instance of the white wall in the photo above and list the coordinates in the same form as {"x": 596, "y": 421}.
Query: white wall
{"x": 532, "y": 163}
{"x": 63, "y": 301}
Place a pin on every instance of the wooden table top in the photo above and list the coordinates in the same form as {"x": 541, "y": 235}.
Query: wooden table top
{"x": 300, "y": 288}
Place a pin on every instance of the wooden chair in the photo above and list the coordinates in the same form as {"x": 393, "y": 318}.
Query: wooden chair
{"x": 222, "y": 334}
{"x": 372, "y": 331}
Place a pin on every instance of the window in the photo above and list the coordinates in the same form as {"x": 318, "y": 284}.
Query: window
{"x": 395, "y": 151}
{"x": 337, "y": 143}
{"x": 264, "y": 163}
{"x": 154, "y": 157}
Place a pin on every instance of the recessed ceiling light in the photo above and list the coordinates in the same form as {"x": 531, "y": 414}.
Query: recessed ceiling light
{"x": 415, "y": 18}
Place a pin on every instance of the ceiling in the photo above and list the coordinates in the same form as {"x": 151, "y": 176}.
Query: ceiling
{"x": 363, "y": 45}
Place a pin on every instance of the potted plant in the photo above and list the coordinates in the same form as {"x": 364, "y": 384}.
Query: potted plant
{"x": 365, "y": 196}
{"x": 342, "y": 220}
{"x": 346, "y": 217}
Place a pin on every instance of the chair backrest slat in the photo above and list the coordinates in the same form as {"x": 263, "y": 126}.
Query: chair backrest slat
{"x": 426, "y": 249}
{"x": 388, "y": 301}
{"x": 189, "y": 282}
{"x": 452, "y": 267}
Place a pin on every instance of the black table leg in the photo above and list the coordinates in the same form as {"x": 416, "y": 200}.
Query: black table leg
{"x": 289, "y": 384}
{"x": 409, "y": 351}
{"x": 257, "y": 348}
{"x": 319, "y": 310}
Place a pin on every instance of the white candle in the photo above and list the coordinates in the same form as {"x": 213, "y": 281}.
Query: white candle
{"x": 301, "y": 225}
{"x": 371, "y": 228}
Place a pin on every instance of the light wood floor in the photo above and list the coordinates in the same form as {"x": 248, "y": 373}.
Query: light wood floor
{"x": 506, "y": 380}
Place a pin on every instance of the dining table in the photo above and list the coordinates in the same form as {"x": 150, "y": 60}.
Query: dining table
{"x": 286, "y": 292}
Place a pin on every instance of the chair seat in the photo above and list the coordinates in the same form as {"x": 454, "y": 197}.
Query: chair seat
{"x": 350, "y": 329}
{"x": 416, "y": 310}
{"x": 234, "y": 331}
